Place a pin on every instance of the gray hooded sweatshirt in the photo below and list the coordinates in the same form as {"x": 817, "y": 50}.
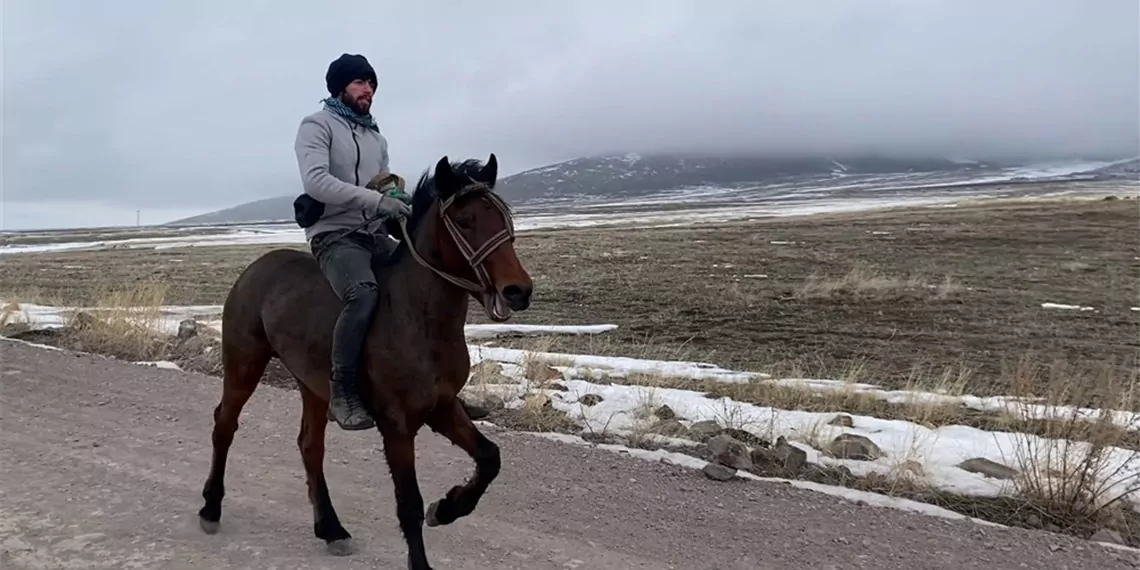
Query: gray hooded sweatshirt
{"x": 337, "y": 157}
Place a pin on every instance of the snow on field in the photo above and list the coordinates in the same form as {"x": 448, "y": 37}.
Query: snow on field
{"x": 933, "y": 454}
{"x": 1066, "y": 307}
{"x": 611, "y": 366}
{"x": 288, "y": 234}
{"x": 169, "y": 317}
{"x": 164, "y": 318}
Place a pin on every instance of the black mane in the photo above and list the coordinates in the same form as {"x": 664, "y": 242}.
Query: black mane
{"x": 424, "y": 195}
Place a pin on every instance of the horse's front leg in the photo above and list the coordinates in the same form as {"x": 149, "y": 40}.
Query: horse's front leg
{"x": 452, "y": 422}
{"x": 400, "y": 451}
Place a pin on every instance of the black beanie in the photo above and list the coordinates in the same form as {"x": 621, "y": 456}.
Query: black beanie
{"x": 346, "y": 69}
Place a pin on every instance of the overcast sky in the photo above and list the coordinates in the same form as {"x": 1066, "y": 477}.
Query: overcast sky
{"x": 178, "y": 108}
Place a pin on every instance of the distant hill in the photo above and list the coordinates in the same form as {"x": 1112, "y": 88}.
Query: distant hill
{"x": 265, "y": 210}
{"x": 631, "y": 176}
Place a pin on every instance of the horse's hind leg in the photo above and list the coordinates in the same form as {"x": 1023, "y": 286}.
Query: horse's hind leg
{"x": 311, "y": 441}
{"x": 243, "y": 367}
{"x": 452, "y": 422}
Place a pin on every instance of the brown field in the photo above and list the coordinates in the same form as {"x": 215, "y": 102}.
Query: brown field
{"x": 886, "y": 297}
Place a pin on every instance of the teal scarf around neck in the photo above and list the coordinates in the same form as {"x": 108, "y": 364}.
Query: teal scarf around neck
{"x": 337, "y": 106}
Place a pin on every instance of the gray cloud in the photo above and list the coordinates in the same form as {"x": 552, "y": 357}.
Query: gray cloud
{"x": 185, "y": 107}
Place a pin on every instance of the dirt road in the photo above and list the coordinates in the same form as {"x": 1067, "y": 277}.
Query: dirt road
{"x": 102, "y": 463}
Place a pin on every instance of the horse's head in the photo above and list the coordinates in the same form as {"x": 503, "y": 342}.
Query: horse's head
{"x": 477, "y": 244}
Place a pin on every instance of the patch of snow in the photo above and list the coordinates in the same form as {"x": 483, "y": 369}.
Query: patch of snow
{"x": 39, "y": 317}
{"x": 574, "y": 365}
{"x": 1016, "y": 407}
{"x": 473, "y": 332}
{"x": 1066, "y": 307}
{"x": 32, "y": 344}
{"x": 164, "y": 364}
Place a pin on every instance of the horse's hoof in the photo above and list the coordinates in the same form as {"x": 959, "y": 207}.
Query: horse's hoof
{"x": 209, "y": 527}
{"x": 341, "y": 547}
{"x": 430, "y": 518}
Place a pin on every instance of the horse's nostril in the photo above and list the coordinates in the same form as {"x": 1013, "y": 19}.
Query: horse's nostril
{"x": 517, "y": 297}
{"x": 515, "y": 293}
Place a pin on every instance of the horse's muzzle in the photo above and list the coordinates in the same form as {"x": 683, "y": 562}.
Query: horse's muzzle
{"x": 517, "y": 296}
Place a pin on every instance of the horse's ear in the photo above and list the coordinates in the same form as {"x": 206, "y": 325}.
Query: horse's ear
{"x": 489, "y": 172}
{"x": 444, "y": 177}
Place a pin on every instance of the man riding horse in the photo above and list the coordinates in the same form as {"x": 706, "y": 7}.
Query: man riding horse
{"x": 343, "y": 160}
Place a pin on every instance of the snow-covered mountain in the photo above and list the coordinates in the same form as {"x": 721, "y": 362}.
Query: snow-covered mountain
{"x": 669, "y": 178}
{"x": 633, "y": 175}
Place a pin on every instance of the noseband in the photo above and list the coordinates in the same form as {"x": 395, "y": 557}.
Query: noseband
{"x": 474, "y": 256}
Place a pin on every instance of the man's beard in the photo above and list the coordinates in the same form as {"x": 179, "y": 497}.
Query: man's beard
{"x": 361, "y": 107}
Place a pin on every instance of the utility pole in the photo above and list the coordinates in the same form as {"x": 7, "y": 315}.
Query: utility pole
{"x": 137, "y": 217}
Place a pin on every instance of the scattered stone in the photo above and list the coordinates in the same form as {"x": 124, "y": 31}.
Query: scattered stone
{"x": 745, "y": 436}
{"x": 665, "y": 413}
{"x": 188, "y": 328}
{"x": 475, "y": 411}
{"x": 704, "y": 429}
{"x": 852, "y": 446}
{"x": 558, "y": 386}
{"x": 726, "y": 450}
{"x": 718, "y": 472}
{"x": 783, "y": 457}
{"x": 546, "y": 373}
{"x": 670, "y": 427}
{"x": 591, "y": 399}
{"x": 493, "y": 402}
{"x": 842, "y": 420}
{"x": 1107, "y": 535}
{"x": 988, "y": 468}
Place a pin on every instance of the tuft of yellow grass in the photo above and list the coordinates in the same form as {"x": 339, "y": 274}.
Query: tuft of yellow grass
{"x": 865, "y": 282}
{"x": 123, "y": 320}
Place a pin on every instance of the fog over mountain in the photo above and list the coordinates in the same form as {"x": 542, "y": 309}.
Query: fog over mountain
{"x": 176, "y": 109}
{"x": 699, "y": 180}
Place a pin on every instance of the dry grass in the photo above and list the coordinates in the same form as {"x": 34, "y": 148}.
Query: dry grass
{"x": 123, "y": 321}
{"x": 863, "y": 282}
{"x": 860, "y": 281}
{"x": 1067, "y": 476}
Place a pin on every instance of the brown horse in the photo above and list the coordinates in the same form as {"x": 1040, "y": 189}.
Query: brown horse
{"x": 460, "y": 239}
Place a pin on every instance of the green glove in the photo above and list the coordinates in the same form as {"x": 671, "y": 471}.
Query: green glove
{"x": 398, "y": 194}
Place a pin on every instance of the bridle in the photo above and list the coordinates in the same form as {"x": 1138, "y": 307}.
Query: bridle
{"x": 474, "y": 256}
